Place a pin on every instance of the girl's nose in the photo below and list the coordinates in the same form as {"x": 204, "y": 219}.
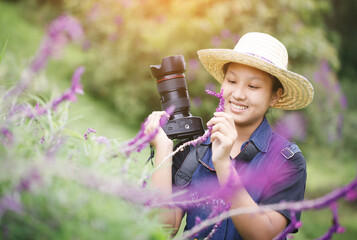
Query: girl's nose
{"x": 239, "y": 93}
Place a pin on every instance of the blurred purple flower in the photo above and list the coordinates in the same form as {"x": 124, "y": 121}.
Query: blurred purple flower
{"x": 161, "y": 19}
{"x": 9, "y": 137}
{"x": 86, "y": 45}
{"x": 39, "y": 110}
{"x": 103, "y": 140}
{"x": 226, "y": 33}
{"x": 321, "y": 76}
{"x": 10, "y": 202}
{"x": 235, "y": 38}
{"x": 216, "y": 41}
{"x": 336, "y": 227}
{"x": 118, "y": 20}
{"x": 28, "y": 181}
{"x": 70, "y": 94}
{"x": 94, "y": 12}
{"x": 292, "y": 126}
{"x": 343, "y": 101}
{"x": 210, "y": 87}
{"x": 207, "y": 133}
{"x": 42, "y": 140}
{"x": 193, "y": 64}
{"x": 351, "y": 195}
{"x": 113, "y": 37}
{"x": 89, "y": 130}
{"x": 126, "y": 3}
{"x": 60, "y": 32}
{"x": 141, "y": 140}
{"x": 294, "y": 224}
{"x": 197, "y": 102}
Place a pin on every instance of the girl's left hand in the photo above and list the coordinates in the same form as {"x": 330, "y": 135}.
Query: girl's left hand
{"x": 223, "y": 137}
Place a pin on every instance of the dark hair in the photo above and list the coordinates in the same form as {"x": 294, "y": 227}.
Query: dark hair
{"x": 276, "y": 83}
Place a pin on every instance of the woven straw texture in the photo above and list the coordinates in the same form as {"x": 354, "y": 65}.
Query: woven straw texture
{"x": 298, "y": 91}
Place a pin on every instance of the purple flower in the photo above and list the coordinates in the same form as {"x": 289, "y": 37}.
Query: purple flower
{"x": 103, "y": 140}
{"x": 118, "y": 20}
{"x": 292, "y": 126}
{"x": 207, "y": 134}
{"x": 141, "y": 140}
{"x": 351, "y": 195}
{"x": 193, "y": 64}
{"x": 40, "y": 110}
{"x": 235, "y": 38}
{"x": 216, "y": 41}
{"x": 9, "y": 137}
{"x": 343, "y": 101}
{"x": 70, "y": 94}
{"x": 197, "y": 102}
{"x": 225, "y": 33}
{"x": 60, "y": 32}
{"x": 10, "y": 202}
{"x": 89, "y": 130}
{"x": 210, "y": 87}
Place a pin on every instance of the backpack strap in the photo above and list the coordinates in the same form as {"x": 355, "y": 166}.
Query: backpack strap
{"x": 248, "y": 152}
{"x": 184, "y": 174}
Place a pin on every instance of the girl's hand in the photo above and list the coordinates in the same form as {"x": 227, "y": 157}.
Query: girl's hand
{"x": 153, "y": 123}
{"x": 223, "y": 136}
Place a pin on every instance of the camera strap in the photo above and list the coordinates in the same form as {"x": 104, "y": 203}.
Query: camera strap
{"x": 184, "y": 174}
{"x": 189, "y": 165}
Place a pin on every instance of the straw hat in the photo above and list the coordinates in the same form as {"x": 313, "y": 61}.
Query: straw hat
{"x": 264, "y": 52}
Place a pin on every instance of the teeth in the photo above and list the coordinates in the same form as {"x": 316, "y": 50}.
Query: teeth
{"x": 239, "y": 107}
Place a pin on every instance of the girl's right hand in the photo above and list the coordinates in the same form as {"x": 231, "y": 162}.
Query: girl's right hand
{"x": 153, "y": 123}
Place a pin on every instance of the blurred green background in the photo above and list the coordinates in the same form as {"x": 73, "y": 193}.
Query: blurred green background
{"x": 124, "y": 37}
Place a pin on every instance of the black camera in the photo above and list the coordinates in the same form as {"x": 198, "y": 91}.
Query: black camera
{"x": 172, "y": 88}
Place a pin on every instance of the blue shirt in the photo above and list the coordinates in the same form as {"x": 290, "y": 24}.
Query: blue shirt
{"x": 277, "y": 173}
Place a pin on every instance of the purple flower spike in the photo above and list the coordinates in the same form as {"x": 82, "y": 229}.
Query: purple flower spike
{"x": 141, "y": 140}
{"x": 40, "y": 110}
{"x": 207, "y": 134}
{"x": 198, "y": 220}
{"x": 60, "y": 32}
{"x": 336, "y": 227}
{"x": 70, "y": 94}
{"x": 9, "y": 137}
{"x": 163, "y": 120}
{"x": 89, "y": 130}
{"x": 76, "y": 81}
{"x": 351, "y": 195}
{"x": 220, "y": 107}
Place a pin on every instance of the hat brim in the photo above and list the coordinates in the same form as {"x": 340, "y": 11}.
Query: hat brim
{"x": 298, "y": 91}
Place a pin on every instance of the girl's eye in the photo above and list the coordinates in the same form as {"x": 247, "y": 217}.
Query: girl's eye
{"x": 253, "y": 87}
{"x": 231, "y": 81}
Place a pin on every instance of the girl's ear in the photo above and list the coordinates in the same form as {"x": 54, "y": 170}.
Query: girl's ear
{"x": 275, "y": 97}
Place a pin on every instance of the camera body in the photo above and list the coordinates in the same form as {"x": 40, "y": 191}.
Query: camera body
{"x": 173, "y": 91}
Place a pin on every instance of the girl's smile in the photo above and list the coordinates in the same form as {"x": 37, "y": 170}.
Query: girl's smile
{"x": 248, "y": 94}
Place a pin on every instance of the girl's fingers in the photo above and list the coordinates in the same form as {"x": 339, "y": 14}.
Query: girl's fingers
{"x": 221, "y": 127}
{"x": 153, "y": 121}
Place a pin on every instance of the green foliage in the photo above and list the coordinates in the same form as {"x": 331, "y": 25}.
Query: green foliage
{"x": 62, "y": 186}
{"x": 2, "y": 52}
{"x": 126, "y": 37}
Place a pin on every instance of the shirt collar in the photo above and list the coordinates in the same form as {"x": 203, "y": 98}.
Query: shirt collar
{"x": 261, "y": 136}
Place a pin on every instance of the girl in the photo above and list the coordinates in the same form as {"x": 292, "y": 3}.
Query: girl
{"x": 254, "y": 77}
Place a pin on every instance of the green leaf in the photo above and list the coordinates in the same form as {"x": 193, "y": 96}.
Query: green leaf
{"x": 3, "y": 50}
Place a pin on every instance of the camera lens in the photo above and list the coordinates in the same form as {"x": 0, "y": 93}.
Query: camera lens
{"x": 172, "y": 86}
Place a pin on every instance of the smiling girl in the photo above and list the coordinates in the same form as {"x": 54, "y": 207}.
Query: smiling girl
{"x": 254, "y": 78}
